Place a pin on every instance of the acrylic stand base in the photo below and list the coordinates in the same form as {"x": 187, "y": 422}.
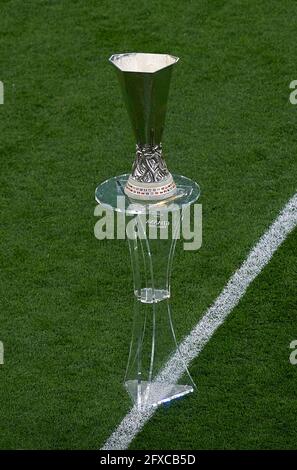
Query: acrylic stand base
{"x": 156, "y": 372}
{"x": 155, "y": 393}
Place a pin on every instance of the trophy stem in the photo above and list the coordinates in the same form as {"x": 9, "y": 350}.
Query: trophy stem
{"x": 149, "y": 165}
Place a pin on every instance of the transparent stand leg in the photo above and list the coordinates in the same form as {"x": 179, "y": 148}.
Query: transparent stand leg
{"x": 153, "y": 341}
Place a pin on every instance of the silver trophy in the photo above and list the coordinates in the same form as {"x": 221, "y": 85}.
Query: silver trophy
{"x": 145, "y": 80}
{"x": 156, "y": 371}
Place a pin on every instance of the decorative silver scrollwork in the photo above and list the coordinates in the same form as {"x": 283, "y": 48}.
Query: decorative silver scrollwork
{"x": 149, "y": 165}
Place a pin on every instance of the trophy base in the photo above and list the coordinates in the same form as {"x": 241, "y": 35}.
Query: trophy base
{"x": 150, "y": 191}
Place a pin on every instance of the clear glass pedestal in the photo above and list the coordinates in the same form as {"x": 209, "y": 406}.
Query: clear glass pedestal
{"x": 152, "y": 230}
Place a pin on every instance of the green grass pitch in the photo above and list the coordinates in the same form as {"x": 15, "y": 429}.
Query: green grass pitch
{"x": 65, "y": 300}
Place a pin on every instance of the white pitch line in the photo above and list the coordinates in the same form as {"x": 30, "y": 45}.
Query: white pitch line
{"x": 193, "y": 343}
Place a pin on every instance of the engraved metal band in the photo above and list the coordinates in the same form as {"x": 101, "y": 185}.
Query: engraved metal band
{"x": 149, "y": 165}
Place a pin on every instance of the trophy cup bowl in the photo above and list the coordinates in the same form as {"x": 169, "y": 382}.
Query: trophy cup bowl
{"x": 145, "y": 80}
